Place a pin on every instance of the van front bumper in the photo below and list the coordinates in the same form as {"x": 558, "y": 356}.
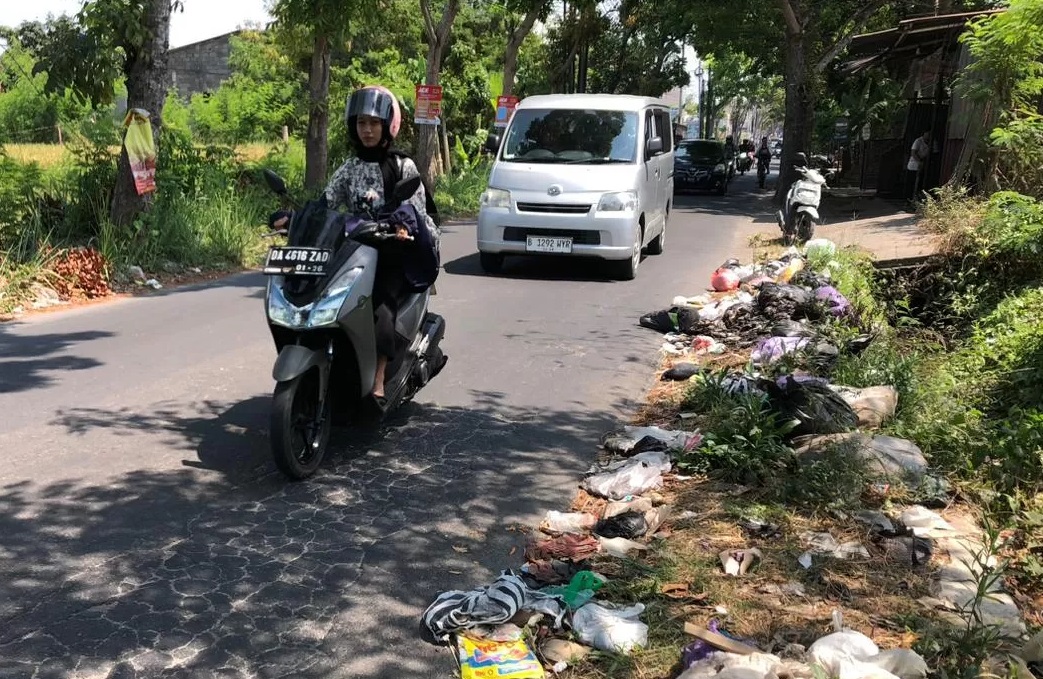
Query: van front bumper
{"x": 608, "y": 235}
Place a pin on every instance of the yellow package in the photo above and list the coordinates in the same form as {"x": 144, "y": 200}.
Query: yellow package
{"x": 141, "y": 150}
{"x": 497, "y": 660}
{"x": 791, "y": 270}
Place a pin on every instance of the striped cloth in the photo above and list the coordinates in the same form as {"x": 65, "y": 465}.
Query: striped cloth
{"x": 493, "y": 605}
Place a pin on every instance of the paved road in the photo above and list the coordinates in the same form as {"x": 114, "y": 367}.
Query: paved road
{"x": 143, "y": 532}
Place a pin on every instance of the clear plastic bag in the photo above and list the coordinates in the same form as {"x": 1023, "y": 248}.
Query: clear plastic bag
{"x": 632, "y": 479}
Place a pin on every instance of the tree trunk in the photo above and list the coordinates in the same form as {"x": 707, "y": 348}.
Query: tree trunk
{"x": 316, "y": 156}
{"x": 796, "y": 130}
{"x": 437, "y": 40}
{"x": 514, "y": 43}
{"x": 147, "y": 85}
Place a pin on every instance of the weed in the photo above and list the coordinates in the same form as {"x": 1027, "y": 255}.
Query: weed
{"x": 459, "y": 194}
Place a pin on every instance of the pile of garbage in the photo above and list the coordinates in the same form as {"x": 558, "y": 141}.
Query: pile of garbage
{"x": 553, "y": 611}
{"x": 549, "y": 615}
{"x": 773, "y": 306}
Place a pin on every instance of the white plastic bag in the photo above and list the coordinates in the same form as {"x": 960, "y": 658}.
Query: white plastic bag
{"x": 610, "y": 629}
{"x": 568, "y": 522}
{"x": 924, "y": 522}
{"x": 820, "y": 245}
{"x": 847, "y": 654}
{"x": 632, "y": 479}
{"x": 656, "y": 459}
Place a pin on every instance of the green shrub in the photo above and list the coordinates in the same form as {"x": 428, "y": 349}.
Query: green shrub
{"x": 459, "y": 194}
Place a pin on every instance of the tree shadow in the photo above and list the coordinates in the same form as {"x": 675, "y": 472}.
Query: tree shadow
{"x": 32, "y": 361}
{"x": 195, "y": 572}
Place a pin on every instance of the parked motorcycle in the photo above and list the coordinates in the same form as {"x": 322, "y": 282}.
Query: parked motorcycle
{"x": 800, "y": 215}
{"x": 320, "y": 313}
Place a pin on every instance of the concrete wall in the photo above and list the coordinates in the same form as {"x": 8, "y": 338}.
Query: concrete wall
{"x": 201, "y": 66}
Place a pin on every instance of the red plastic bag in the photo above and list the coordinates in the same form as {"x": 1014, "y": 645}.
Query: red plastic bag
{"x": 724, "y": 280}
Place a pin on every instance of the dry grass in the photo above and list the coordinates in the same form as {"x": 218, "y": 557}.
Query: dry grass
{"x": 44, "y": 155}
{"x": 51, "y": 155}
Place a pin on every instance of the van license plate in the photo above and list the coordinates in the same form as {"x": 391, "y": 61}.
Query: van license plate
{"x": 547, "y": 244}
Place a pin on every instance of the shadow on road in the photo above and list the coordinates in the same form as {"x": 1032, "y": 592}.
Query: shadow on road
{"x": 35, "y": 361}
{"x": 545, "y": 268}
{"x": 185, "y": 573}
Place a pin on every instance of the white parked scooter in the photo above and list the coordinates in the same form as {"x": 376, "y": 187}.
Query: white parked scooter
{"x": 799, "y": 217}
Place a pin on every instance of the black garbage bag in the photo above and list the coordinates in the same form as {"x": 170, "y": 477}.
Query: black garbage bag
{"x": 649, "y": 444}
{"x": 664, "y": 320}
{"x": 789, "y": 328}
{"x": 824, "y": 356}
{"x": 681, "y": 372}
{"x": 817, "y": 408}
{"x": 626, "y": 525}
{"x": 786, "y": 302}
{"x": 689, "y": 322}
{"x": 806, "y": 278}
{"x": 859, "y": 344}
{"x": 731, "y": 264}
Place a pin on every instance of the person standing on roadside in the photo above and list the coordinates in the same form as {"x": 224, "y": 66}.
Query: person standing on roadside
{"x": 914, "y": 169}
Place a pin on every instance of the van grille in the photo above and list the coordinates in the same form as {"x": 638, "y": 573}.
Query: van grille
{"x": 518, "y": 234}
{"x": 555, "y": 208}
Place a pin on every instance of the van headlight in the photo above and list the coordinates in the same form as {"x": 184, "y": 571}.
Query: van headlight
{"x": 496, "y": 198}
{"x": 618, "y": 201}
{"x": 332, "y": 298}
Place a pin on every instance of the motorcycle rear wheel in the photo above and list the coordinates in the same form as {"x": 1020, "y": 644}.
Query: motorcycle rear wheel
{"x": 805, "y": 228}
{"x": 300, "y": 428}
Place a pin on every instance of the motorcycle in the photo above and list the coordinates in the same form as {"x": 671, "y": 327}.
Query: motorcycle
{"x": 745, "y": 162}
{"x": 320, "y": 313}
{"x": 798, "y": 220}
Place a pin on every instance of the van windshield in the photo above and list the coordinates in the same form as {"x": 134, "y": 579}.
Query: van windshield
{"x": 571, "y": 136}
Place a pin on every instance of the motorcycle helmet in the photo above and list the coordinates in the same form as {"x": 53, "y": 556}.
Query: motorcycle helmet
{"x": 378, "y": 102}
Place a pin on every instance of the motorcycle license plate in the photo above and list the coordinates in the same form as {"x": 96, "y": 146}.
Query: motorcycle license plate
{"x": 297, "y": 261}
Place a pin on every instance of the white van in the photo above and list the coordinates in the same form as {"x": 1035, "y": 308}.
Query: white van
{"x": 580, "y": 174}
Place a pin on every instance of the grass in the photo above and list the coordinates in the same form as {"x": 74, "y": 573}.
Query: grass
{"x": 48, "y": 156}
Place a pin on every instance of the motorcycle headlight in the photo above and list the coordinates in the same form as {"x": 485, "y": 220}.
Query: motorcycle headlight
{"x": 496, "y": 198}
{"x": 721, "y": 167}
{"x": 618, "y": 201}
{"x": 281, "y": 312}
{"x": 332, "y": 298}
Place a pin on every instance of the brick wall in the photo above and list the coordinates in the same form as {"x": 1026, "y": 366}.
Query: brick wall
{"x": 201, "y": 66}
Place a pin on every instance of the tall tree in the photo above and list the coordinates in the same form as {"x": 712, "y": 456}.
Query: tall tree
{"x": 109, "y": 38}
{"x": 437, "y": 34}
{"x": 326, "y": 23}
{"x": 521, "y": 17}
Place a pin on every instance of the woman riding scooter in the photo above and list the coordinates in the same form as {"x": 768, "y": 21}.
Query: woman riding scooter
{"x": 373, "y": 118}
{"x": 763, "y": 161}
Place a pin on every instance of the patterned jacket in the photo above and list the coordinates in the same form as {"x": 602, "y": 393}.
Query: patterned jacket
{"x": 356, "y": 180}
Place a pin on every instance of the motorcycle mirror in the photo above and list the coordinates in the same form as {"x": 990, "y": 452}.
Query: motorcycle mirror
{"x": 405, "y": 188}
{"x": 275, "y": 182}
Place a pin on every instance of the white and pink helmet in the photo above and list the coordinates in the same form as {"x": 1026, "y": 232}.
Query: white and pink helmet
{"x": 376, "y": 101}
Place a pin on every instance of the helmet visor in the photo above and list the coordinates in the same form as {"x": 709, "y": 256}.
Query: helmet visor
{"x": 370, "y": 102}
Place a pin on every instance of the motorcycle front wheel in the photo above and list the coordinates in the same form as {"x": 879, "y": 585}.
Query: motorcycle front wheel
{"x": 300, "y": 425}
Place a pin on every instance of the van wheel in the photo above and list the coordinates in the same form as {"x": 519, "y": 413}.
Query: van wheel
{"x": 626, "y": 269}
{"x": 491, "y": 263}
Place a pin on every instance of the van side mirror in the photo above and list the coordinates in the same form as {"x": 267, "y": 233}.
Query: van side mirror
{"x": 275, "y": 183}
{"x": 492, "y": 143}
{"x": 654, "y": 146}
{"x": 404, "y": 189}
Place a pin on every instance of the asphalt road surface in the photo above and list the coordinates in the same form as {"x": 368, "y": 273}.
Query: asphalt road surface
{"x": 145, "y": 533}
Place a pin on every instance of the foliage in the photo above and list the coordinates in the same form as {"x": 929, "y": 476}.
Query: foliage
{"x": 745, "y": 439}
{"x": 458, "y": 194}
{"x": 1006, "y": 78}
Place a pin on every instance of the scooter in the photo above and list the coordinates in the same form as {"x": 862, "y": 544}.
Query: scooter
{"x": 320, "y": 313}
{"x": 798, "y": 220}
